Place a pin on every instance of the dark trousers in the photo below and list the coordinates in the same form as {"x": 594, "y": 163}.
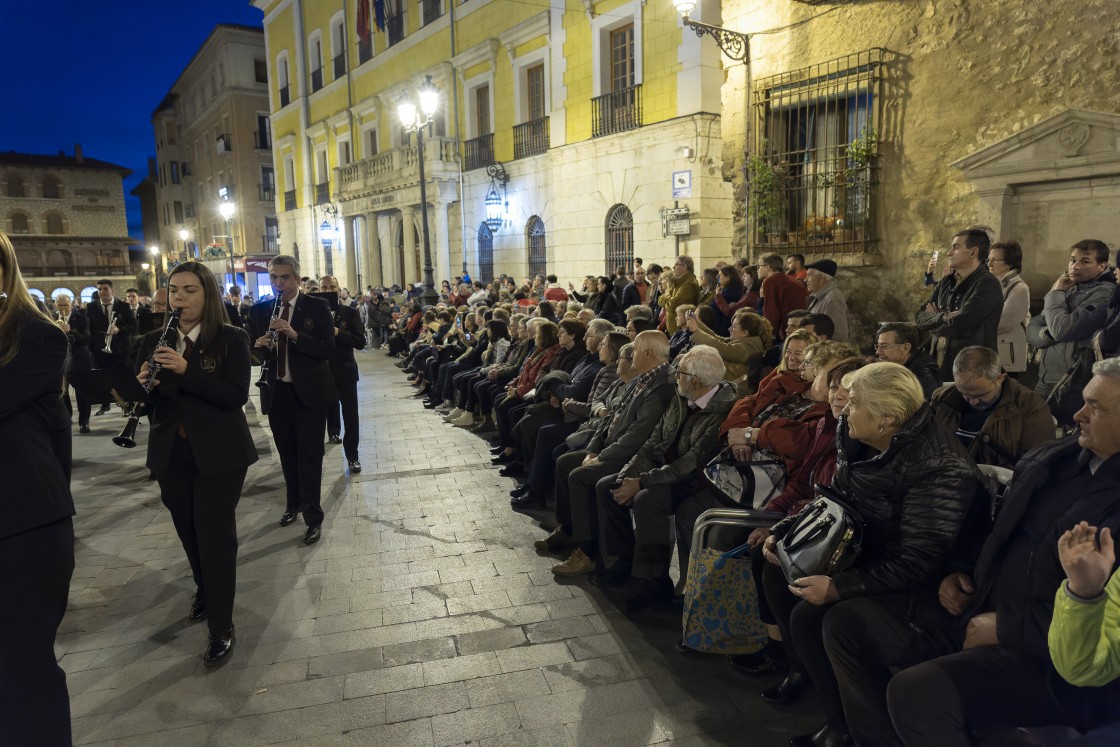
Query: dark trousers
{"x": 83, "y": 406}
{"x": 489, "y": 392}
{"x": 527, "y": 430}
{"x": 347, "y": 402}
{"x": 802, "y": 625}
{"x": 550, "y": 447}
{"x": 646, "y": 540}
{"x": 447, "y": 372}
{"x": 299, "y": 432}
{"x": 462, "y": 385}
{"x": 576, "y": 509}
{"x": 34, "y": 704}
{"x": 203, "y": 511}
{"x": 506, "y": 414}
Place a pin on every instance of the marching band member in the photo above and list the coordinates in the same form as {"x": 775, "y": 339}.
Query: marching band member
{"x": 76, "y": 326}
{"x": 37, "y": 536}
{"x": 297, "y": 389}
{"x": 100, "y": 310}
{"x": 349, "y": 335}
{"x": 200, "y": 447}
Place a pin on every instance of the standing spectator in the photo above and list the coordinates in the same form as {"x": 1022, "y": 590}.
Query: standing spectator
{"x": 897, "y": 342}
{"x": 553, "y": 292}
{"x": 1005, "y": 261}
{"x": 709, "y": 287}
{"x": 781, "y": 294}
{"x": 1075, "y": 309}
{"x": 964, "y": 308}
{"x": 825, "y": 297}
{"x": 1109, "y": 338}
{"x": 637, "y": 292}
{"x": 796, "y": 269}
{"x": 729, "y": 298}
{"x": 682, "y": 288}
{"x": 653, "y": 297}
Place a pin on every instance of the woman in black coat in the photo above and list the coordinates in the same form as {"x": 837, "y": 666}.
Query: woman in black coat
{"x": 200, "y": 447}
{"x": 607, "y": 303}
{"x": 37, "y": 536}
{"x": 913, "y": 485}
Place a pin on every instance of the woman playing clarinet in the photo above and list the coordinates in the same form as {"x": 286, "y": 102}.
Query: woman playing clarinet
{"x": 200, "y": 447}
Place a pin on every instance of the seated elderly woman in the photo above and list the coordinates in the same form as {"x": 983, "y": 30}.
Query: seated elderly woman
{"x": 490, "y": 391}
{"x": 913, "y": 485}
{"x": 750, "y": 337}
{"x": 456, "y": 389}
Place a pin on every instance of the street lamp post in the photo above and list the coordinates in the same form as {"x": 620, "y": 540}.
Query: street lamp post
{"x": 155, "y": 261}
{"x": 416, "y": 121}
{"x": 183, "y": 234}
{"x": 733, "y": 44}
{"x": 227, "y": 209}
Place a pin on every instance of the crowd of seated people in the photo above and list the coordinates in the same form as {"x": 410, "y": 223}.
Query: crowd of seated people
{"x": 956, "y": 623}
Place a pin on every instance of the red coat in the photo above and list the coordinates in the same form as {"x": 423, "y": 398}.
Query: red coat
{"x": 555, "y": 293}
{"x": 817, "y": 466}
{"x": 775, "y": 387}
{"x": 781, "y": 294}
{"x": 527, "y": 379}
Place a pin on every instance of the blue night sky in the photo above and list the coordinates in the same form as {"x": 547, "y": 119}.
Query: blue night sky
{"x": 91, "y": 73}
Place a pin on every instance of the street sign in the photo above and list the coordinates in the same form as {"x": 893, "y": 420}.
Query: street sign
{"x": 682, "y": 227}
{"x": 682, "y": 184}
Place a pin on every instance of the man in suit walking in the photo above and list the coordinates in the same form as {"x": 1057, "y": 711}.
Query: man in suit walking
{"x": 349, "y": 335}
{"x": 76, "y": 326}
{"x": 99, "y": 310}
{"x": 299, "y": 388}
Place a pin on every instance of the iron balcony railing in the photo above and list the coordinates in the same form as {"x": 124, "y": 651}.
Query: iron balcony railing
{"x": 290, "y": 200}
{"x": 316, "y": 80}
{"x": 270, "y": 244}
{"x": 339, "y": 66}
{"x": 530, "y": 138}
{"x": 617, "y": 111}
{"x": 285, "y": 96}
{"x": 394, "y": 29}
{"x": 365, "y": 49}
{"x": 431, "y": 11}
{"x": 322, "y": 193}
{"x": 263, "y": 141}
{"x": 268, "y": 192}
{"x": 478, "y": 152}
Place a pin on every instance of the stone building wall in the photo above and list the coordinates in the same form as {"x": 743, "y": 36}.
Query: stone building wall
{"x": 963, "y": 75}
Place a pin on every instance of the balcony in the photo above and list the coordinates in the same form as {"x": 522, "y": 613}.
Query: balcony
{"x": 270, "y": 244}
{"x": 223, "y": 145}
{"x": 316, "y": 80}
{"x": 285, "y": 96}
{"x": 478, "y": 152}
{"x": 617, "y": 111}
{"x": 394, "y": 29}
{"x": 267, "y": 192}
{"x": 387, "y": 173}
{"x": 188, "y": 210}
{"x": 263, "y": 140}
{"x": 322, "y": 193}
{"x": 290, "y": 200}
{"x": 365, "y": 49}
{"x": 530, "y": 138}
{"x": 339, "y": 63}
{"x": 432, "y": 10}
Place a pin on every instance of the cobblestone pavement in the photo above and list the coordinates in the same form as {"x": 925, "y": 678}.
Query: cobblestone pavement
{"x": 423, "y": 617}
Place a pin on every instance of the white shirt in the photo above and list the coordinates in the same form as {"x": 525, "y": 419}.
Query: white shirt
{"x": 287, "y": 377}
{"x": 181, "y": 346}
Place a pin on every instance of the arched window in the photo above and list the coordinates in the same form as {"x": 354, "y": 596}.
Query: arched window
{"x": 485, "y": 254}
{"x": 19, "y": 222}
{"x": 620, "y": 237}
{"x": 61, "y": 291}
{"x": 52, "y": 187}
{"x": 37, "y": 293}
{"x": 55, "y": 224}
{"x": 15, "y": 185}
{"x": 88, "y": 293}
{"x": 538, "y": 252}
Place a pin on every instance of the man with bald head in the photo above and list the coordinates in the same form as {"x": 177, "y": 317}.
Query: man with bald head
{"x": 349, "y": 335}
{"x": 76, "y": 326}
{"x": 616, "y": 441}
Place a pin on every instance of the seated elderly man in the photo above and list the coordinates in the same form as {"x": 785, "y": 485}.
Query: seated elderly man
{"x": 660, "y": 475}
{"x": 615, "y": 442}
{"x": 897, "y": 342}
{"x": 973, "y": 651}
{"x": 995, "y": 417}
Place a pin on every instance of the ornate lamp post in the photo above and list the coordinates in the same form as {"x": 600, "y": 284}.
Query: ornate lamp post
{"x": 183, "y": 236}
{"x": 416, "y": 121}
{"x": 733, "y": 44}
{"x": 156, "y": 263}
{"x": 227, "y": 209}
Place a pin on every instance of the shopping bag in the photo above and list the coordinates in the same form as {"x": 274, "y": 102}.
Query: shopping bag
{"x": 721, "y": 604}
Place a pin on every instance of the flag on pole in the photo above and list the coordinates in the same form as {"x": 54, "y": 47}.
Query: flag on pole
{"x": 379, "y": 14}
{"x": 363, "y": 20}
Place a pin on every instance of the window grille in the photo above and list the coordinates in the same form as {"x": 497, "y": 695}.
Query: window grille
{"x": 620, "y": 237}
{"x": 485, "y": 253}
{"x": 813, "y": 178}
{"x": 538, "y": 249}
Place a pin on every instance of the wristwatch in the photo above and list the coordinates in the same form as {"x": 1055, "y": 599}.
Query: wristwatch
{"x": 749, "y": 435}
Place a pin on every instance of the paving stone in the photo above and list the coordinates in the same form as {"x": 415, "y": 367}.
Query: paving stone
{"x": 472, "y": 724}
{"x": 530, "y": 657}
{"x": 505, "y": 688}
{"x": 426, "y": 701}
{"x": 387, "y": 680}
{"x": 467, "y": 667}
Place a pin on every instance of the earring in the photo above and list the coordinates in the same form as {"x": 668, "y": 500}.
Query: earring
{"x": 881, "y": 426}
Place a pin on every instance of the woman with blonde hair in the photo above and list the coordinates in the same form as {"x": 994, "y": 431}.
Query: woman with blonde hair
{"x": 37, "y": 537}
{"x": 913, "y": 485}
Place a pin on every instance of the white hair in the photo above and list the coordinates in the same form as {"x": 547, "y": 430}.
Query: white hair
{"x": 706, "y": 364}
{"x": 599, "y": 328}
{"x": 1109, "y": 368}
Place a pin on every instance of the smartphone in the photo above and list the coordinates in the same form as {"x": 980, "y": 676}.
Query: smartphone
{"x": 690, "y": 314}
{"x": 936, "y": 254}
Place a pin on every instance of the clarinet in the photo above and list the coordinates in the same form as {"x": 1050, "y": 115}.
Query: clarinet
{"x": 127, "y": 437}
{"x": 266, "y": 364}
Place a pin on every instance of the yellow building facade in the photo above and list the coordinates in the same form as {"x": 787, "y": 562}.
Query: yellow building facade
{"x": 592, "y": 127}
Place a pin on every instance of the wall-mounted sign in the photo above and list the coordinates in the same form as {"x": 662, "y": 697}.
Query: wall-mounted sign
{"x": 682, "y": 184}
{"x": 682, "y": 227}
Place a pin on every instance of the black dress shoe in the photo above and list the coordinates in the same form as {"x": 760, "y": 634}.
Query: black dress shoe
{"x": 311, "y": 536}
{"x": 525, "y": 500}
{"x": 289, "y": 517}
{"x": 430, "y": 405}
{"x": 335, "y": 439}
{"x": 83, "y": 428}
{"x": 760, "y": 662}
{"x": 496, "y": 450}
{"x": 683, "y": 649}
{"x": 825, "y": 737}
{"x": 101, "y": 410}
{"x": 512, "y": 469}
{"x": 355, "y": 466}
{"x": 218, "y": 648}
{"x": 502, "y": 458}
{"x": 787, "y": 691}
{"x": 652, "y": 594}
{"x": 198, "y": 609}
{"x": 519, "y": 491}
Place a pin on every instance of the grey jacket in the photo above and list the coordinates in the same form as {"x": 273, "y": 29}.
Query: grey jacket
{"x": 1068, "y": 321}
{"x": 830, "y": 301}
{"x": 619, "y": 437}
{"x": 695, "y": 440}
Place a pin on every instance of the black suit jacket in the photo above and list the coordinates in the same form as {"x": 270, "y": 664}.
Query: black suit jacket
{"x": 308, "y": 356}
{"x": 234, "y": 314}
{"x": 207, "y": 402}
{"x": 80, "y": 357}
{"x": 126, "y": 321}
{"x": 34, "y": 431}
{"x": 351, "y": 336}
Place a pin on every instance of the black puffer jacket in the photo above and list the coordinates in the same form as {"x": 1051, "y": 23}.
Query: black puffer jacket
{"x": 914, "y": 499}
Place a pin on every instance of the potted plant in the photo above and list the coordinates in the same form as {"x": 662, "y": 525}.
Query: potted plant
{"x": 860, "y": 154}
{"x": 765, "y": 206}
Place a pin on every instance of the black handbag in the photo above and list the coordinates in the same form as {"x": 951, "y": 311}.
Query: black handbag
{"x": 823, "y": 539}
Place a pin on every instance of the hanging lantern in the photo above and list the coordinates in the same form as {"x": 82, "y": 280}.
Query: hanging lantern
{"x": 494, "y": 212}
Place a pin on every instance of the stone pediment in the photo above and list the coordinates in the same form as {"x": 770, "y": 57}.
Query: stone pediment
{"x": 1075, "y": 144}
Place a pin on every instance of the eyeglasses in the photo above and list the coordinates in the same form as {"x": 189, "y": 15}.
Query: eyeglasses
{"x": 674, "y": 372}
{"x": 882, "y": 346}
{"x": 993, "y": 260}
